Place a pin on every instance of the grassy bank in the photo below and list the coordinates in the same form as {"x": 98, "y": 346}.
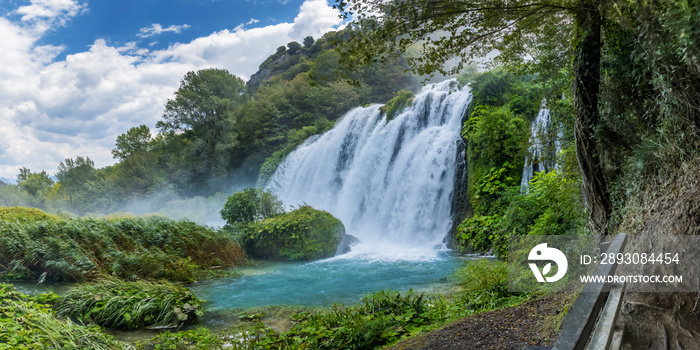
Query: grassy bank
{"x": 36, "y": 247}
{"x": 29, "y": 323}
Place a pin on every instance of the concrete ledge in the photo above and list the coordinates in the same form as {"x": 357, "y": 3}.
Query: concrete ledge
{"x": 603, "y": 333}
{"x": 581, "y": 318}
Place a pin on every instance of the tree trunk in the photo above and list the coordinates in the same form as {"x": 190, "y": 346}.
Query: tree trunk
{"x": 586, "y": 89}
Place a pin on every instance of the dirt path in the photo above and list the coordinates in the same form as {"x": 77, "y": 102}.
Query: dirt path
{"x": 512, "y": 328}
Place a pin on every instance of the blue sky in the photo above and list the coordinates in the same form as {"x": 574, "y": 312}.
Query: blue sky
{"x": 74, "y": 74}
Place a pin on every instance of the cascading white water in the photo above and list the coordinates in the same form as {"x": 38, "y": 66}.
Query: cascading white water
{"x": 390, "y": 183}
{"x": 544, "y": 146}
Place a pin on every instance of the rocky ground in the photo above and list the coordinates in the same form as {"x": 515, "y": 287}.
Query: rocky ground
{"x": 531, "y": 323}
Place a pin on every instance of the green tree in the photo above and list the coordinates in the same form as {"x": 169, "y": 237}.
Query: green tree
{"x": 74, "y": 174}
{"x": 57, "y": 198}
{"x": 308, "y": 42}
{"x": 135, "y": 174}
{"x": 134, "y": 140}
{"x": 36, "y": 184}
{"x": 251, "y": 205}
{"x": 202, "y": 113}
{"x": 13, "y": 196}
{"x": 293, "y": 47}
{"x": 549, "y": 31}
{"x": 325, "y": 67}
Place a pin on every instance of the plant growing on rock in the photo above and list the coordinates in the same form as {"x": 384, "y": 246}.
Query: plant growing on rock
{"x": 302, "y": 234}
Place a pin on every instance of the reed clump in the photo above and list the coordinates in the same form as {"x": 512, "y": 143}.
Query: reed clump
{"x": 113, "y": 303}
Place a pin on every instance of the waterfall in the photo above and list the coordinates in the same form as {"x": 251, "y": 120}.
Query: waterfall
{"x": 390, "y": 183}
{"x": 545, "y": 143}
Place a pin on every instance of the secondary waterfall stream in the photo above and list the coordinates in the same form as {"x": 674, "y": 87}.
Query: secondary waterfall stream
{"x": 389, "y": 182}
{"x": 545, "y": 144}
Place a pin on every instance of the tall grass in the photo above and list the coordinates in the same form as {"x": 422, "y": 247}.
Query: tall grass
{"x": 113, "y": 303}
{"x": 28, "y": 323}
{"x": 130, "y": 248}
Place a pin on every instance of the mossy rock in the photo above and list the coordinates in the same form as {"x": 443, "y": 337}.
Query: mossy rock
{"x": 302, "y": 234}
{"x": 397, "y": 104}
{"x": 25, "y": 215}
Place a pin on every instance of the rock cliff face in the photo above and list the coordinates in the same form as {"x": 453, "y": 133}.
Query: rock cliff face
{"x": 267, "y": 69}
{"x": 460, "y": 196}
{"x": 273, "y": 66}
{"x": 671, "y": 206}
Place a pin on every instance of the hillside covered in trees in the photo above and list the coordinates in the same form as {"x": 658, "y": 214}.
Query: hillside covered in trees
{"x": 217, "y": 132}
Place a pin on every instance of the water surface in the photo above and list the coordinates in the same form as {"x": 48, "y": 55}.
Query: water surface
{"x": 343, "y": 279}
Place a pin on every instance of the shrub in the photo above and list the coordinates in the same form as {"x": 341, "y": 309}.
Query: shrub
{"x": 484, "y": 274}
{"x": 302, "y": 234}
{"x": 25, "y": 215}
{"x": 478, "y": 233}
{"x": 552, "y": 206}
{"x": 120, "y": 304}
{"x": 380, "y": 318}
{"x": 29, "y": 323}
{"x": 250, "y": 205}
{"x": 485, "y": 284}
{"x": 199, "y": 338}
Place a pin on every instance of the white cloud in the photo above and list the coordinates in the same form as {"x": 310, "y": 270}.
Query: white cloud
{"x": 43, "y": 15}
{"x": 50, "y": 110}
{"x": 242, "y": 51}
{"x": 242, "y": 25}
{"x": 156, "y": 29}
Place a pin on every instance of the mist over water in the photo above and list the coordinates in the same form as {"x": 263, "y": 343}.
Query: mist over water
{"x": 390, "y": 183}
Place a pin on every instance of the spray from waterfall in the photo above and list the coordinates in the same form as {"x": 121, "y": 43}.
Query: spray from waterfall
{"x": 391, "y": 182}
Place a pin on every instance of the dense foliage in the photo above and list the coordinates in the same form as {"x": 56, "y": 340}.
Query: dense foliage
{"x": 25, "y": 215}
{"x": 301, "y": 234}
{"x": 29, "y": 323}
{"x": 113, "y": 303}
{"x": 497, "y": 135}
{"x": 80, "y": 249}
{"x": 552, "y": 206}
